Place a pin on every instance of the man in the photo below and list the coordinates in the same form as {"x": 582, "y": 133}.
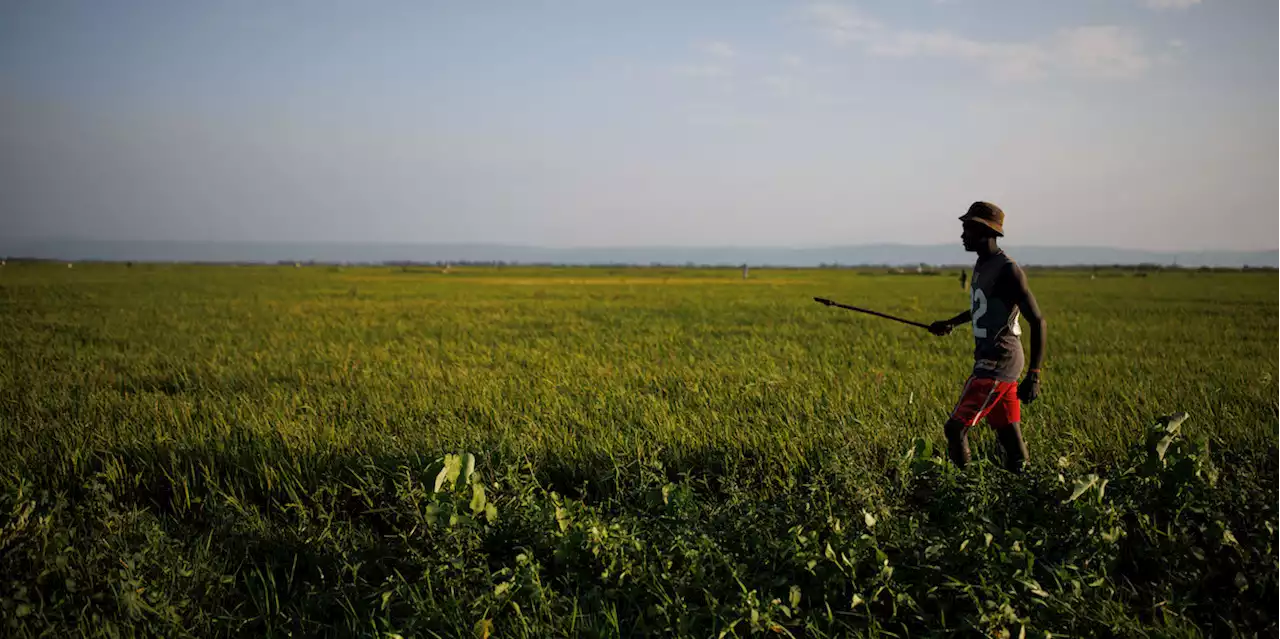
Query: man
{"x": 998, "y": 291}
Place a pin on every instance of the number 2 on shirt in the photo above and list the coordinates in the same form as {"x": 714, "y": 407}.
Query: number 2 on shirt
{"x": 979, "y": 309}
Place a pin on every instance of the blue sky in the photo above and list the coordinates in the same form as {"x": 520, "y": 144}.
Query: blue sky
{"x": 1138, "y": 123}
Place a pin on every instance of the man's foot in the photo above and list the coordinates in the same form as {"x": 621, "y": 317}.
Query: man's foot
{"x": 1015, "y": 449}
{"x": 957, "y": 443}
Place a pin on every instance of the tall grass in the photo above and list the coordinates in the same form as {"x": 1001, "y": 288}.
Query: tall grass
{"x": 253, "y": 450}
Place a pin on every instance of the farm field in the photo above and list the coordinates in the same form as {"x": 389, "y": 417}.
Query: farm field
{"x": 193, "y": 450}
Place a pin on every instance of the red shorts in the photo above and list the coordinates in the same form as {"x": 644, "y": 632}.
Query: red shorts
{"x": 985, "y": 397}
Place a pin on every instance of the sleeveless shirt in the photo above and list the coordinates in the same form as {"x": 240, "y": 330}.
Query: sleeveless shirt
{"x": 997, "y": 349}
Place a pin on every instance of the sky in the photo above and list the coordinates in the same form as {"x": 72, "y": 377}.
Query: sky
{"x": 1147, "y": 124}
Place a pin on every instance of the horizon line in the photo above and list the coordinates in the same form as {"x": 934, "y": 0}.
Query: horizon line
{"x": 625, "y": 247}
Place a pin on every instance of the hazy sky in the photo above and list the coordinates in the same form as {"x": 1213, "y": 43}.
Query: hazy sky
{"x": 1138, "y": 123}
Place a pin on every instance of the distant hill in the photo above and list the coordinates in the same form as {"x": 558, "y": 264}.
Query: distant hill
{"x": 853, "y": 255}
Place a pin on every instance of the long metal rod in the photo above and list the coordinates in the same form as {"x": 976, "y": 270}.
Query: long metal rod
{"x": 828, "y": 302}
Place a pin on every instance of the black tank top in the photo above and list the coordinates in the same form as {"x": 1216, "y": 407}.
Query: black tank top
{"x": 997, "y": 349}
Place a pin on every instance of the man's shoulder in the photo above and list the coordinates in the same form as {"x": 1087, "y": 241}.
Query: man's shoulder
{"x": 1014, "y": 266}
{"x": 1007, "y": 264}
{"x": 998, "y": 262}
{"x": 1008, "y": 276}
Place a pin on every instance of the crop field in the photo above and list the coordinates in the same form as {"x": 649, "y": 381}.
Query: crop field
{"x": 270, "y": 451}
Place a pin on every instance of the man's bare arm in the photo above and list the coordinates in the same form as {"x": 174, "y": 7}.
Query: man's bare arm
{"x": 1026, "y": 302}
{"x": 1029, "y": 389}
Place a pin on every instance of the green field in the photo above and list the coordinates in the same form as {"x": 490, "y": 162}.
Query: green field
{"x": 254, "y": 451}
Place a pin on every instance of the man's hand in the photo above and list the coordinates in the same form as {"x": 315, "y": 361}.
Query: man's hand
{"x": 940, "y": 328}
{"x": 1029, "y": 389}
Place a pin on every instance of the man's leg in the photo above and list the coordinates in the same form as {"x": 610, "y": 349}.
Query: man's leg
{"x": 957, "y": 442}
{"x": 1005, "y": 419}
{"x": 976, "y": 399}
{"x": 1015, "y": 449}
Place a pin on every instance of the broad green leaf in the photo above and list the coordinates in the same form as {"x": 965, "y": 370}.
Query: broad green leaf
{"x": 1082, "y": 485}
{"x": 467, "y": 470}
{"x": 728, "y": 630}
{"x": 921, "y": 448}
{"x": 449, "y": 474}
{"x": 1034, "y": 587}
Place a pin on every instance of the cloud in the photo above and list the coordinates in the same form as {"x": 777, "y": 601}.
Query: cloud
{"x": 703, "y": 71}
{"x": 1099, "y": 52}
{"x": 717, "y": 62}
{"x": 780, "y": 84}
{"x": 1005, "y": 61}
{"x": 721, "y": 50}
{"x": 1173, "y": 51}
{"x": 842, "y": 24}
{"x": 1163, "y": 5}
{"x": 718, "y": 115}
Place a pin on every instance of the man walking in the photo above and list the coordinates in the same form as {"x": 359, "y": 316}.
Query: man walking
{"x": 998, "y": 291}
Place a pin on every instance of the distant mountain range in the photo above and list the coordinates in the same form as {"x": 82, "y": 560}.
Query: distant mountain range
{"x": 853, "y": 255}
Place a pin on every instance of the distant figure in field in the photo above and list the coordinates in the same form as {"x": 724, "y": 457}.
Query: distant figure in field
{"x": 964, "y": 279}
{"x": 998, "y": 292}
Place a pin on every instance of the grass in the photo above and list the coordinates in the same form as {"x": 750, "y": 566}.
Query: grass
{"x": 218, "y": 451}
